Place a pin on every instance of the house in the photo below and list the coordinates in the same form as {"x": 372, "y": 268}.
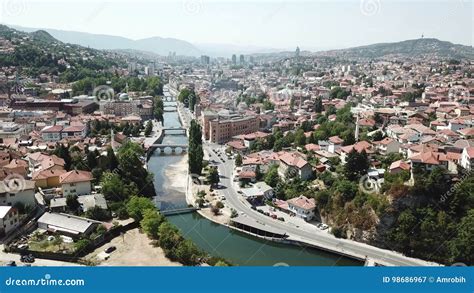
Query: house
{"x": 68, "y": 225}
{"x": 399, "y": 166}
{"x": 293, "y": 164}
{"x": 266, "y": 189}
{"x": 467, "y": 158}
{"x": 429, "y": 160}
{"x": 76, "y": 182}
{"x": 48, "y": 178}
{"x": 237, "y": 146}
{"x": 252, "y": 193}
{"x": 90, "y": 201}
{"x": 387, "y": 146}
{"x": 9, "y": 220}
{"x": 58, "y": 204}
{"x": 358, "y": 147}
{"x": 467, "y": 132}
{"x": 302, "y": 207}
{"x": 87, "y": 202}
{"x": 248, "y": 173}
{"x": 17, "y": 166}
{"x": 335, "y": 143}
{"x": 23, "y": 191}
{"x": 52, "y": 133}
{"x": 39, "y": 161}
{"x": 76, "y": 131}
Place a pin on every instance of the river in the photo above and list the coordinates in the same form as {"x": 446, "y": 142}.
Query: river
{"x": 239, "y": 248}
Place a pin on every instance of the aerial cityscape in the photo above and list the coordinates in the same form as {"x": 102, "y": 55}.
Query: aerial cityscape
{"x": 123, "y": 144}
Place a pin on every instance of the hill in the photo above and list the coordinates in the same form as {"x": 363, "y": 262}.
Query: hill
{"x": 38, "y": 52}
{"x": 157, "y": 45}
{"x": 410, "y": 48}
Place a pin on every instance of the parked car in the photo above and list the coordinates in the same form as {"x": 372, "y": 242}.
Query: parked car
{"x": 110, "y": 249}
{"x": 23, "y": 246}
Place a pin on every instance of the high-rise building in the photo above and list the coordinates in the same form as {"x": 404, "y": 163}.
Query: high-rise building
{"x": 132, "y": 66}
{"x": 150, "y": 69}
{"x": 234, "y": 59}
{"x": 241, "y": 59}
{"x": 297, "y": 52}
{"x": 205, "y": 60}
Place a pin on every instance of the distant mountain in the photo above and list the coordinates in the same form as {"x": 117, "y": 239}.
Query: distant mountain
{"x": 227, "y": 50}
{"x": 158, "y": 45}
{"x": 409, "y": 48}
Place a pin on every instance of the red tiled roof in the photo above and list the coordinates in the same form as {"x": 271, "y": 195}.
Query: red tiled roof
{"x": 303, "y": 202}
{"x": 292, "y": 159}
{"x": 75, "y": 176}
{"x": 432, "y": 158}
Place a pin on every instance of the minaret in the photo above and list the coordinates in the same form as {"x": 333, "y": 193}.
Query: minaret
{"x": 112, "y": 140}
{"x": 356, "y": 134}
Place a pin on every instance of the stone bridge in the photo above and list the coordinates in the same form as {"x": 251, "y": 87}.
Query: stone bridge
{"x": 168, "y": 149}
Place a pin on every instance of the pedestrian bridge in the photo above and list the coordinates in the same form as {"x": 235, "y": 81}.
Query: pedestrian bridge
{"x": 170, "y": 109}
{"x": 178, "y": 211}
{"x": 174, "y": 131}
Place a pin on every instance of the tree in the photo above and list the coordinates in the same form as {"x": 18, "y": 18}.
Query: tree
{"x": 111, "y": 159}
{"x": 193, "y": 100}
{"x": 72, "y": 203}
{"x": 272, "y": 178}
{"x": 62, "y": 151}
{"x": 99, "y": 214}
{"x": 148, "y": 128}
{"x": 158, "y": 108}
{"x": 213, "y": 176}
{"x": 357, "y": 164}
{"x": 187, "y": 253}
{"x": 151, "y": 222}
{"x": 378, "y": 136}
{"x": 196, "y": 153}
{"x": 278, "y": 146}
{"x": 300, "y": 138}
{"x": 215, "y": 210}
{"x": 137, "y": 205}
{"x": 92, "y": 160}
{"x": 258, "y": 173}
{"x": 131, "y": 168}
{"x": 81, "y": 245}
{"x": 114, "y": 189}
{"x": 169, "y": 236}
{"x": 462, "y": 245}
{"x": 318, "y": 105}
{"x": 238, "y": 160}
{"x": 347, "y": 189}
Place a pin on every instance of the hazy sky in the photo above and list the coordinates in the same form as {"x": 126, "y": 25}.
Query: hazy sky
{"x": 277, "y": 24}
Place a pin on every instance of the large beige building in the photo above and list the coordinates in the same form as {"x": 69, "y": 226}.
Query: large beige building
{"x": 142, "y": 108}
{"x": 222, "y": 130}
